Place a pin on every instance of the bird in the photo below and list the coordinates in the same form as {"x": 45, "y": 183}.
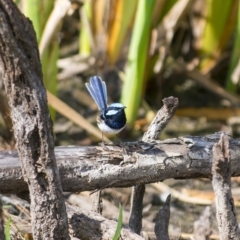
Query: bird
{"x": 112, "y": 118}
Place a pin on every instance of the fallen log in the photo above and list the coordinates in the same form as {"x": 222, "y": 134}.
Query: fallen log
{"x": 91, "y": 168}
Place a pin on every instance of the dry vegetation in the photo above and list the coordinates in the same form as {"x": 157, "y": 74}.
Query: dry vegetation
{"x": 186, "y": 49}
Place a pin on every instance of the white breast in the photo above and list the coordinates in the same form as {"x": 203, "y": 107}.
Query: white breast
{"x": 105, "y": 129}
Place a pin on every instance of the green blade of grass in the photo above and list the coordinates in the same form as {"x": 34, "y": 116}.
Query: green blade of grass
{"x": 45, "y": 9}
{"x": 137, "y": 57}
{"x": 84, "y": 39}
{"x": 39, "y": 11}
{"x": 231, "y": 83}
{"x": 7, "y": 229}
{"x": 31, "y": 10}
{"x": 215, "y": 24}
{"x": 119, "y": 225}
{"x": 50, "y": 70}
{"x": 215, "y": 32}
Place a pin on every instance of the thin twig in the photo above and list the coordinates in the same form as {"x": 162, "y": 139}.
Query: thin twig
{"x": 97, "y": 202}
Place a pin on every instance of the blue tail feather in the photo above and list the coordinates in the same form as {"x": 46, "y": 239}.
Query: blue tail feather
{"x": 97, "y": 89}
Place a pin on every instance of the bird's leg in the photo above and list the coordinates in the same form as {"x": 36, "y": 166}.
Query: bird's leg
{"x": 102, "y": 143}
{"x": 102, "y": 139}
{"x": 122, "y": 145}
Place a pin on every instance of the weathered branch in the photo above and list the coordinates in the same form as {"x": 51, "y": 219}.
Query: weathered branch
{"x": 90, "y": 168}
{"x": 162, "y": 221}
{"x": 83, "y": 224}
{"x": 135, "y": 220}
{"x": 94, "y": 226}
{"x": 202, "y": 227}
{"x": 160, "y": 121}
{"x": 97, "y": 202}
{"x": 221, "y": 181}
{"x": 22, "y": 76}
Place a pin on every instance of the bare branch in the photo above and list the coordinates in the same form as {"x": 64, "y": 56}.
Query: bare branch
{"x": 135, "y": 220}
{"x": 221, "y": 181}
{"x": 161, "y": 120}
{"x": 202, "y": 227}
{"x": 97, "y": 202}
{"x": 162, "y": 221}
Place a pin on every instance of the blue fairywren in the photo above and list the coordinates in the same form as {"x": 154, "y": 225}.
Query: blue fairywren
{"x": 112, "y": 119}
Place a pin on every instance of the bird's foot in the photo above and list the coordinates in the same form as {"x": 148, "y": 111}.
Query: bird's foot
{"x": 103, "y": 145}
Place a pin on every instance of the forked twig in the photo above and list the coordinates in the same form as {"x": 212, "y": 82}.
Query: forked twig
{"x": 160, "y": 121}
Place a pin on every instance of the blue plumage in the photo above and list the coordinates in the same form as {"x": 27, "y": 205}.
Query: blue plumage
{"x": 117, "y": 120}
{"x": 112, "y": 119}
{"x": 97, "y": 89}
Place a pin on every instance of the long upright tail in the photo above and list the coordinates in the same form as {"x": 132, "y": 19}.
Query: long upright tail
{"x": 97, "y": 89}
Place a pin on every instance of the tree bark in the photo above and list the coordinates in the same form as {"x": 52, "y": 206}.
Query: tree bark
{"x": 221, "y": 181}
{"x": 22, "y": 76}
{"x": 90, "y": 225}
{"x": 91, "y": 168}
